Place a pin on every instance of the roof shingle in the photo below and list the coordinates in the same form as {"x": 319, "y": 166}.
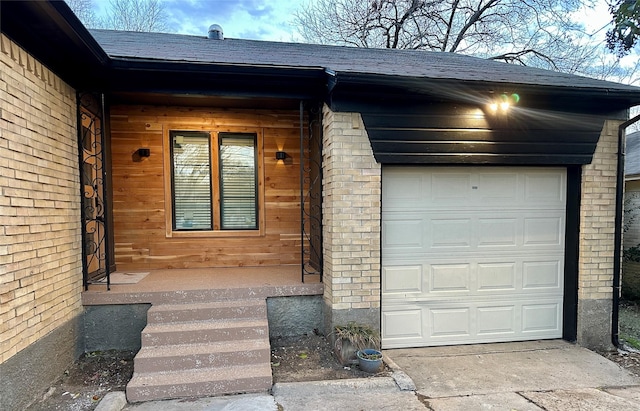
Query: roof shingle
{"x": 389, "y": 62}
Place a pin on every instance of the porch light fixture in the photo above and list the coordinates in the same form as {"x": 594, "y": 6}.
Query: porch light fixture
{"x": 503, "y": 102}
{"x": 281, "y": 155}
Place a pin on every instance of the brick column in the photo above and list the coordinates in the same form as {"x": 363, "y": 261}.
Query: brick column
{"x": 40, "y": 232}
{"x": 351, "y": 222}
{"x": 597, "y": 226}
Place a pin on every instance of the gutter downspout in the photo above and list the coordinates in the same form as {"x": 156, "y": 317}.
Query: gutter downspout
{"x": 617, "y": 240}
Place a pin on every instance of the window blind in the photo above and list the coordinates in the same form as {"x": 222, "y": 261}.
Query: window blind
{"x": 192, "y": 204}
{"x": 238, "y": 181}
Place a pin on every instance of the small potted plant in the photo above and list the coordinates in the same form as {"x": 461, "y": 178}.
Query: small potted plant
{"x": 369, "y": 359}
{"x": 354, "y": 337}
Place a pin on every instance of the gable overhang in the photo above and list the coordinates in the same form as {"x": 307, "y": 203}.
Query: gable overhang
{"x": 346, "y": 87}
{"x": 222, "y": 80}
{"x": 53, "y": 34}
{"x": 436, "y": 121}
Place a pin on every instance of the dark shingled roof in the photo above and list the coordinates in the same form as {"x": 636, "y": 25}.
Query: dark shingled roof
{"x": 632, "y": 157}
{"x": 388, "y": 62}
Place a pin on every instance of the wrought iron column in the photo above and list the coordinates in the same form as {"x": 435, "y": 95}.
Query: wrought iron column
{"x": 311, "y": 189}
{"x": 91, "y": 142}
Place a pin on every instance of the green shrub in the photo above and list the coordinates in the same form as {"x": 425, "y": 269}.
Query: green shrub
{"x": 359, "y": 335}
{"x": 631, "y": 341}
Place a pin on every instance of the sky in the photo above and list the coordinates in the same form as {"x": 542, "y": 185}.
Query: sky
{"x": 271, "y": 19}
{"x": 246, "y": 19}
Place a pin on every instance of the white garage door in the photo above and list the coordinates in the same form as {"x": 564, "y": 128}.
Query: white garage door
{"x": 471, "y": 255}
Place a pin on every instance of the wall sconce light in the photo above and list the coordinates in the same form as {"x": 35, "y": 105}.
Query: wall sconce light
{"x": 143, "y": 152}
{"x": 503, "y": 102}
{"x": 281, "y": 155}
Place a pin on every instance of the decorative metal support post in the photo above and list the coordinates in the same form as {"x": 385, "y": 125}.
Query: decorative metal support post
{"x": 92, "y": 189}
{"x": 311, "y": 189}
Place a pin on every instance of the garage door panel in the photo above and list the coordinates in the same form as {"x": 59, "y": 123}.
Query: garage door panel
{"x": 449, "y": 232}
{"x": 449, "y": 186}
{"x": 402, "y": 280}
{"x": 403, "y": 234}
{"x": 483, "y": 232}
{"x": 496, "y": 320}
{"x": 496, "y": 276}
{"x": 449, "y": 277}
{"x": 545, "y": 188}
{"x": 450, "y": 322}
{"x": 459, "y": 322}
{"x": 497, "y": 232}
{"x": 530, "y": 275}
{"x": 406, "y": 186}
{"x": 542, "y": 274}
{"x": 478, "y": 252}
{"x": 505, "y": 187}
{"x": 407, "y": 189}
{"x": 543, "y": 231}
{"x": 403, "y": 324}
{"x": 542, "y": 317}
{"x": 497, "y": 188}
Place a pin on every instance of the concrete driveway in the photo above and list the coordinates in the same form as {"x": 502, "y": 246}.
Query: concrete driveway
{"x": 535, "y": 375}
{"x": 529, "y": 376}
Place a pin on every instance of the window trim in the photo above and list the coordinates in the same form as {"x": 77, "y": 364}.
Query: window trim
{"x": 212, "y": 200}
{"x": 215, "y": 181}
{"x": 221, "y": 190}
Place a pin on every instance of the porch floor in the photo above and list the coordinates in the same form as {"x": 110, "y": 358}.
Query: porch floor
{"x": 193, "y": 284}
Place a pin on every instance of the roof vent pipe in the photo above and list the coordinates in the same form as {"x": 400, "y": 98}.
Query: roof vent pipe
{"x": 215, "y": 32}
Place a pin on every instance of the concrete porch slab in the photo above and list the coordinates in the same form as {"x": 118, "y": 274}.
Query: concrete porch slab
{"x": 206, "y": 284}
{"x": 507, "y": 368}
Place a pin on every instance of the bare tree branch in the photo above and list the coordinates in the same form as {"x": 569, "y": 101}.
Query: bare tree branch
{"x": 85, "y": 11}
{"x": 136, "y": 15}
{"x": 517, "y": 57}
{"x": 129, "y": 15}
{"x": 473, "y": 20}
{"x": 529, "y": 32}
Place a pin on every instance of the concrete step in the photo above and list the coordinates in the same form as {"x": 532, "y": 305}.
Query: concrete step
{"x": 196, "y": 356}
{"x": 204, "y": 331}
{"x": 217, "y": 310}
{"x": 202, "y": 349}
{"x": 199, "y": 383}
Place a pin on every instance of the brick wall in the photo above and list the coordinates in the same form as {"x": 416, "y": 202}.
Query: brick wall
{"x": 351, "y": 218}
{"x": 597, "y": 214}
{"x": 40, "y": 243}
{"x": 597, "y": 226}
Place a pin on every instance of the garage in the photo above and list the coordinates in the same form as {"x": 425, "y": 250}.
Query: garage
{"x": 472, "y": 254}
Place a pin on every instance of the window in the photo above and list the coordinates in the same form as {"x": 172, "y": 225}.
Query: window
{"x": 214, "y": 181}
{"x": 191, "y": 172}
{"x": 238, "y": 180}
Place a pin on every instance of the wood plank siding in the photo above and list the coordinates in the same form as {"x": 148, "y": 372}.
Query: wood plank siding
{"x": 141, "y": 205}
{"x": 447, "y": 133}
